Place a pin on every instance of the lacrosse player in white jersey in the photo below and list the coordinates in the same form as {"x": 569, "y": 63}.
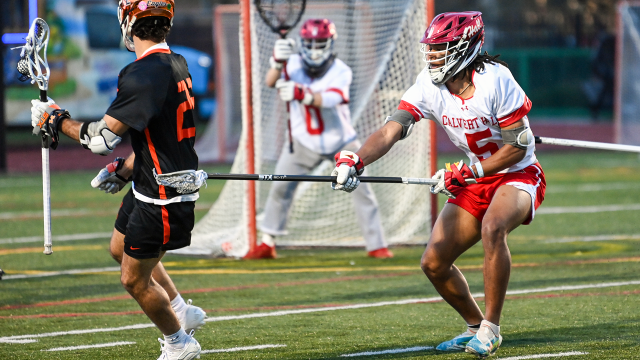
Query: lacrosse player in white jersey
{"x": 482, "y": 108}
{"x": 316, "y": 85}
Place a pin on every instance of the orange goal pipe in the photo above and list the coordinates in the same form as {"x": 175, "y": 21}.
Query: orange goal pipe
{"x": 433, "y": 163}
{"x": 251, "y": 190}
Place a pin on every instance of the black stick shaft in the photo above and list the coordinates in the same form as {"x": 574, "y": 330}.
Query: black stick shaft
{"x": 305, "y": 178}
{"x": 44, "y": 139}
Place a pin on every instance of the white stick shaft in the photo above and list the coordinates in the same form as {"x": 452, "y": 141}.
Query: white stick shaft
{"x": 589, "y": 144}
{"x": 46, "y": 201}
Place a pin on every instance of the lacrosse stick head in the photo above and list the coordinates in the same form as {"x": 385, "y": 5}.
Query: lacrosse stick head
{"x": 185, "y": 182}
{"x": 281, "y": 15}
{"x": 33, "y": 57}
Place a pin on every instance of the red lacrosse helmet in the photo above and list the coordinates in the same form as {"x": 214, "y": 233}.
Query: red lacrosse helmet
{"x": 463, "y": 32}
{"x": 131, "y": 10}
{"x": 317, "y": 38}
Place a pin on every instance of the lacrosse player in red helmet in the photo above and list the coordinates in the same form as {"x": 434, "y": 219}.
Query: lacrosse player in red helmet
{"x": 154, "y": 103}
{"x": 482, "y": 108}
{"x": 316, "y": 85}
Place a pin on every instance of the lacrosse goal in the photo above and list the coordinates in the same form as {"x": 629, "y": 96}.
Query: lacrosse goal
{"x": 627, "y": 92}
{"x": 379, "y": 40}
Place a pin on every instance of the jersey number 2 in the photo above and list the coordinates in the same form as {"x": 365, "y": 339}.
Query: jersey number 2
{"x": 473, "y": 139}
{"x": 187, "y": 105}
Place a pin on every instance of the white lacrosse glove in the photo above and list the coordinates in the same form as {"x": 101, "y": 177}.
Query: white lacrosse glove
{"x": 289, "y": 91}
{"x": 108, "y": 180}
{"x": 283, "y": 49}
{"x": 38, "y": 108}
{"x": 348, "y": 168}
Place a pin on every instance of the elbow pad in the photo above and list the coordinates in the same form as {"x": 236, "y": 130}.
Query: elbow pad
{"x": 405, "y": 119}
{"x": 97, "y": 137}
{"x": 520, "y": 137}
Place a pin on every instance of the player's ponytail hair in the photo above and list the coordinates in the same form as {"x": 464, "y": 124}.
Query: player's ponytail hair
{"x": 478, "y": 64}
{"x": 155, "y": 28}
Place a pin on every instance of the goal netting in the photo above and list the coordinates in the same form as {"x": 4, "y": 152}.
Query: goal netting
{"x": 379, "y": 40}
{"x": 627, "y": 109}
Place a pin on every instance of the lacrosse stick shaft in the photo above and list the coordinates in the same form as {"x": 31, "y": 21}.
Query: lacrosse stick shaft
{"x": 46, "y": 198}
{"x": 312, "y": 178}
{"x": 587, "y": 144}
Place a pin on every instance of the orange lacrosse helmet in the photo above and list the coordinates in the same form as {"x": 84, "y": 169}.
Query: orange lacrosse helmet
{"x": 129, "y": 11}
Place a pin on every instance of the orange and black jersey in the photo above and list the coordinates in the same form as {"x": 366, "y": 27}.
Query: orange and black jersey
{"x": 155, "y": 99}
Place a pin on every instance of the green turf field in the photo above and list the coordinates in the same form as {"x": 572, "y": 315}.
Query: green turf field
{"x": 574, "y": 287}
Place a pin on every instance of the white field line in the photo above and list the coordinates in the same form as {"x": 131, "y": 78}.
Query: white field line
{"x": 591, "y": 187}
{"x": 64, "y": 272}
{"x": 82, "y": 347}
{"x": 586, "y": 209}
{"x": 25, "y": 215}
{"x": 594, "y": 238}
{"x": 11, "y": 339}
{"x": 70, "y": 237}
{"x": 540, "y": 356}
{"x": 391, "y": 351}
{"x": 242, "y": 348}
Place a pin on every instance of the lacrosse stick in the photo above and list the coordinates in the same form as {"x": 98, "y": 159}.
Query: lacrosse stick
{"x": 189, "y": 181}
{"x": 36, "y": 68}
{"x": 587, "y": 144}
{"x": 281, "y": 16}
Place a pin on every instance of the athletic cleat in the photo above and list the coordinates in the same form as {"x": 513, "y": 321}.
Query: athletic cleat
{"x": 382, "y": 253}
{"x": 191, "y": 350}
{"x": 192, "y": 318}
{"x": 485, "y": 343}
{"x": 262, "y": 251}
{"x": 458, "y": 343}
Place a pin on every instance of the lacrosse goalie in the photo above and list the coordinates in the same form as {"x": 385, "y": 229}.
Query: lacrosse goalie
{"x": 482, "y": 108}
{"x": 316, "y": 85}
{"x": 154, "y": 103}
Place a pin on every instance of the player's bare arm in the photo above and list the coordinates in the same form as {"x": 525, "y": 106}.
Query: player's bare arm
{"x": 380, "y": 142}
{"x": 506, "y": 157}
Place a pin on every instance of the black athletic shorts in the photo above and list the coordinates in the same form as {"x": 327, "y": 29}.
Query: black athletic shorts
{"x": 150, "y": 229}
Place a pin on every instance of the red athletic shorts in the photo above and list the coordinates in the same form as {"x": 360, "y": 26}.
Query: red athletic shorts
{"x": 476, "y": 198}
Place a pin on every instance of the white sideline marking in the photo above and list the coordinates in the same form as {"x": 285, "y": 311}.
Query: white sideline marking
{"x": 585, "y": 209}
{"x": 81, "y": 347}
{"x": 12, "y": 215}
{"x": 70, "y": 237}
{"x": 64, "y": 272}
{"x": 591, "y": 187}
{"x": 242, "y": 348}
{"x": 10, "y": 339}
{"x": 594, "y": 238}
{"x": 392, "y": 351}
{"x": 539, "y": 356}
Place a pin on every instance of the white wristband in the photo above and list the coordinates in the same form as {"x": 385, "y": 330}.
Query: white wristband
{"x": 274, "y": 64}
{"x": 308, "y": 98}
{"x": 479, "y": 169}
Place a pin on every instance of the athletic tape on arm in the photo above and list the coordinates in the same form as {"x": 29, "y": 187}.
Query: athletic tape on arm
{"x": 97, "y": 137}
{"x": 405, "y": 119}
{"x": 520, "y": 137}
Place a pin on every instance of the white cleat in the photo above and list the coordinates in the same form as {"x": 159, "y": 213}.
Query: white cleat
{"x": 192, "y": 318}
{"x": 191, "y": 350}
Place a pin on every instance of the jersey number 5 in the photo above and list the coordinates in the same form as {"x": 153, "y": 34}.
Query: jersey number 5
{"x": 473, "y": 139}
{"x": 187, "y": 105}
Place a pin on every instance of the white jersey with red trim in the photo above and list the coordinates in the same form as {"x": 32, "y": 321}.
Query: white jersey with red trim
{"x": 473, "y": 125}
{"x": 326, "y": 129}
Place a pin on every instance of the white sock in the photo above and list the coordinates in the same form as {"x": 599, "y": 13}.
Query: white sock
{"x": 177, "y": 340}
{"x": 495, "y": 328}
{"x": 178, "y": 304}
{"x": 269, "y": 240}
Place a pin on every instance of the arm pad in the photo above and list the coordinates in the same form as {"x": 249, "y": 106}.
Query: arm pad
{"x": 405, "y": 119}
{"x": 97, "y": 137}
{"x": 520, "y": 137}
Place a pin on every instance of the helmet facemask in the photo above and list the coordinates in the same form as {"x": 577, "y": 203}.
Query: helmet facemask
{"x": 126, "y": 26}
{"x": 131, "y": 10}
{"x": 453, "y": 56}
{"x": 315, "y": 52}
